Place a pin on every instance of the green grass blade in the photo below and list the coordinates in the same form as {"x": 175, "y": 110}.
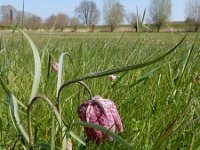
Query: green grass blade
{"x": 1, "y": 39}
{"x": 45, "y": 49}
{"x": 105, "y": 130}
{"x": 187, "y": 60}
{"x": 22, "y": 16}
{"x": 143, "y": 16}
{"x": 37, "y": 61}
{"x": 168, "y": 131}
{"x": 60, "y": 70}
{"x": 37, "y": 72}
{"x": 137, "y": 20}
{"x": 47, "y": 146}
{"x": 117, "y": 70}
{"x": 53, "y": 133}
{"x": 57, "y": 115}
{"x": 144, "y": 77}
{"x": 15, "y": 116}
{"x": 59, "y": 83}
{"x": 76, "y": 137}
{"x": 7, "y": 91}
{"x": 49, "y": 66}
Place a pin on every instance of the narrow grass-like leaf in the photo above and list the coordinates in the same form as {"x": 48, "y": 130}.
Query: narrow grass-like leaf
{"x": 168, "y": 131}
{"x": 23, "y": 16}
{"x": 171, "y": 132}
{"x": 47, "y": 146}
{"x": 186, "y": 124}
{"x": 144, "y": 77}
{"x": 187, "y": 60}
{"x": 119, "y": 79}
{"x": 45, "y": 49}
{"x": 1, "y": 39}
{"x": 107, "y": 131}
{"x": 76, "y": 137}
{"x": 57, "y": 115}
{"x": 49, "y": 66}
{"x": 7, "y": 91}
{"x": 143, "y": 16}
{"x": 37, "y": 72}
{"x": 60, "y": 70}
{"x": 37, "y": 61}
{"x": 14, "y": 113}
{"x": 117, "y": 70}
{"x": 1, "y": 128}
{"x": 53, "y": 133}
{"x": 195, "y": 142}
{"x": 137, "y": 20}
{"x": 59, "y": 83}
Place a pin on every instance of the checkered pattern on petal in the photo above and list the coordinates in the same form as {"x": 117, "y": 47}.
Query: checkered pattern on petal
{"x": 102, "y": 112}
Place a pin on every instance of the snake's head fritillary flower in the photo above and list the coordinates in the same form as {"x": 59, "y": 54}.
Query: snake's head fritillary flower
{"x": 55, "y": 67}
{"x": 102, "y": 112}
{"x": 112, "y": 78}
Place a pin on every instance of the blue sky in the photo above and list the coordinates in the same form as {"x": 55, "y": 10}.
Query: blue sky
{"x": 45, "y": 8}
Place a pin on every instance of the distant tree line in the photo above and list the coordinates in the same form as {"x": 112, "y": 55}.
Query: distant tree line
{"x": 88, "y": 14}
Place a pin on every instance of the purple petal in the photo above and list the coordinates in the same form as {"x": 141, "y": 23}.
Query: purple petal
{"x": 91, "y": 115}
{"x": 102, "y": 112}
{"x": 109, "y": 120}
{"x": 116, "y": 116}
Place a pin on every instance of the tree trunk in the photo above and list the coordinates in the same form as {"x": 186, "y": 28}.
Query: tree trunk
{"x": 74, "y": 29}
{"x": 136, "y": 28}
{"x": 196, "y": 27}
{"x": 158, "y": 27}
{"x": 92, "y": 28}
{"x": 112, "y": 28}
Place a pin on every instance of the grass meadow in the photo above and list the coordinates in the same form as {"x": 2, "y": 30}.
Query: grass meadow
{"x": 159, "y": 103}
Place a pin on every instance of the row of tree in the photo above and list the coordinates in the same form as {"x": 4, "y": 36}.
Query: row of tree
{"x": 88, "y": 14}
{"x": 11, "y": 16}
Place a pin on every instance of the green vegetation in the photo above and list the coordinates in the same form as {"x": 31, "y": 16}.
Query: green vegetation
{"x": 158, "y": 104}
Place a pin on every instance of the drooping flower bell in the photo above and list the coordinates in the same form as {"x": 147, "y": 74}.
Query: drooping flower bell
{"x": 55, "y": 67}
{"x": 102, "y": 112}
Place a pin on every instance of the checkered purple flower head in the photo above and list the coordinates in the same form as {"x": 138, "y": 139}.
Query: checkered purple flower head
{"x": 102, "y": 112}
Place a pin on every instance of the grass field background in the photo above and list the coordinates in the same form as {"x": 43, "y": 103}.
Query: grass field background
{"x": 158, "y": 104}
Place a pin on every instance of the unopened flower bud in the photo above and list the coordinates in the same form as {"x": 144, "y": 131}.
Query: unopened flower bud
{"x": 112, "y": 78}
{"x": 55, "y": 67}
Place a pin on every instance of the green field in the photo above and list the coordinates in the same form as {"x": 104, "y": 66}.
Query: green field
{"x": 159, "y": 104}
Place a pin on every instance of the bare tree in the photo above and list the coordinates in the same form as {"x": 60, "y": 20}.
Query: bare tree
{"x": 113, "y": 13}
{"x": 32, "y": 21}
{"x": 74, "y": 23}
{"x": 88, "y": 13}
{"x": 192, "y": 12}
{"x": 18, "y": 18}
{"x": 59, "y": 21}
{"x": 160, "y": 11}
{"x": 50, "y": 21}
{"x": 7, "y": 14}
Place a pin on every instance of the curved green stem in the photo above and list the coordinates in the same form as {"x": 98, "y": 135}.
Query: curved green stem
{"x": 81, "y": 83}
{"x": 58, "y": 117}
{"x": 116, "y": 70}
{"x": 50, "y": 104}
{"x": 87, "y": 89}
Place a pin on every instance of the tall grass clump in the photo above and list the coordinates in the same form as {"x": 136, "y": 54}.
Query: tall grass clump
{"x": 156, "y": 89}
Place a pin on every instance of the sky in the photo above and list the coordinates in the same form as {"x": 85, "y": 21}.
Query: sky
{"x": 44, "y": 8}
